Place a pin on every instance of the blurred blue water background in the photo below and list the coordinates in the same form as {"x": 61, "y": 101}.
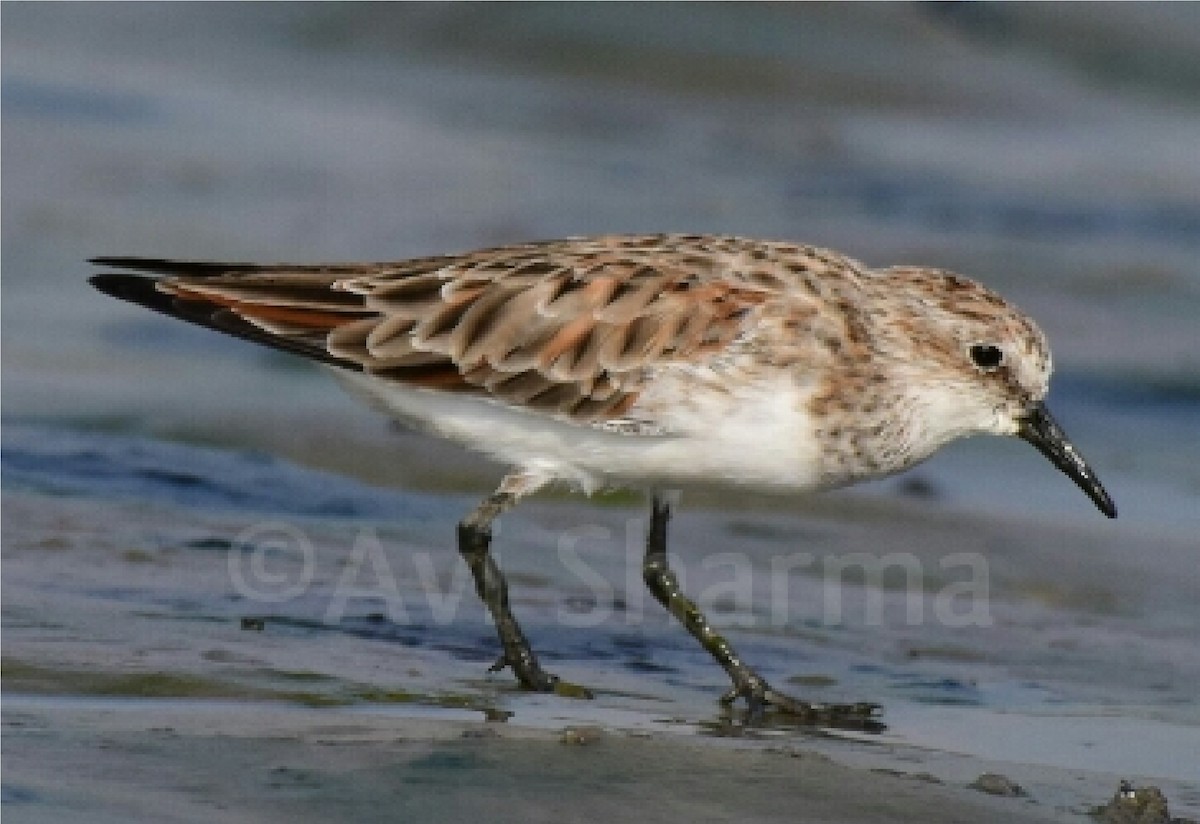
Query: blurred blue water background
{"x": 1048, "y": 150}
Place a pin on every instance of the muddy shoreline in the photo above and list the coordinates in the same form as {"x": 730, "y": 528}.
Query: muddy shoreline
{"x": 136, "y": 660}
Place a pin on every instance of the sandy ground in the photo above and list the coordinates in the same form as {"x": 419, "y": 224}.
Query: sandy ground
{"x": 175, "y": 761}
{"x": 135, "y": 664}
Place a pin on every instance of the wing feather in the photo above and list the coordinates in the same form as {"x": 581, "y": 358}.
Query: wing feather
{"x": 572, "y": 328}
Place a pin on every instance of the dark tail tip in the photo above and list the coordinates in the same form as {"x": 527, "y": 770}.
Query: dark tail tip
{"x": 126, "y": 287}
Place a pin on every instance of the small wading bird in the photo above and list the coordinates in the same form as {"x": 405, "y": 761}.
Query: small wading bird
{"x": 645, "y": 361}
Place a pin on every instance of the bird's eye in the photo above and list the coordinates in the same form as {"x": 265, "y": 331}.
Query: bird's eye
{"x": 986, "y": 356}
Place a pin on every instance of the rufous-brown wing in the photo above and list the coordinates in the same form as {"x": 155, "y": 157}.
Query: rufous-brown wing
{"x": 570, "y": 328}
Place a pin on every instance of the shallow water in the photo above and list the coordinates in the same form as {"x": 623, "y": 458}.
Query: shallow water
{"x": 142, "y": 458}
{"x": 339, "y": 576}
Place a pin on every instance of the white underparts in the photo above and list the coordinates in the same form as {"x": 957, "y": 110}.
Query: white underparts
{"x": 761, "y": 436}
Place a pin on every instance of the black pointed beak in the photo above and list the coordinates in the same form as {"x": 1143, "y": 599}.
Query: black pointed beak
{"x": 1040, "y": 429}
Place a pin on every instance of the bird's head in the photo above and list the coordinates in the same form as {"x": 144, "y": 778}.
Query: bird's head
{"x": 977, "y": 364}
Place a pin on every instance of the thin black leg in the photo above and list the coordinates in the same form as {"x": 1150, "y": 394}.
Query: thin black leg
{"x": 474, "y": 541}
{"x": 748, "y": 684}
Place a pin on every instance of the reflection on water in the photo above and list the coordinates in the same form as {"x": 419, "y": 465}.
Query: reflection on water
{"x": 53, "y": 461}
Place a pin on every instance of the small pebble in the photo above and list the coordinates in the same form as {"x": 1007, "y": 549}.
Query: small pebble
{"x": 480, "y": 732}
{"x": 1135, "y": 805}
{"x": 496, "y": 716}
{"x": 996, "y": 784}
{"x": 581, "y": 735}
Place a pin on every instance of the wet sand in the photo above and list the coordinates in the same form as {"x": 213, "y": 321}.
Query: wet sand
{"x": 174, "y": 761}
{"x": 135, "y": 662}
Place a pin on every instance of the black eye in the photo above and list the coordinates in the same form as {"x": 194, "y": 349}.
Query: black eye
{"x": 987, "y": 356}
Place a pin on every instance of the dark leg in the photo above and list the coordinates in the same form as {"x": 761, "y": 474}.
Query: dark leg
{"x": 474, "y": 539}
{"x": 748, "y": 684}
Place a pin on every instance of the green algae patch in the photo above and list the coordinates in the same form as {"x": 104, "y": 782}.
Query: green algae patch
{"x": 566, "y": 689}
{"x": 451, "y": 701}
{"x": 19, "y": 676}
{"x": 308, "y": 689}
{"x": 615, "y": 498}
{"x": 162, "y": 685}
{"x": 302, "y": 676}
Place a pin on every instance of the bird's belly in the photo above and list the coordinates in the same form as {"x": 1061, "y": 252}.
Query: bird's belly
{"x": 763, "y": 443}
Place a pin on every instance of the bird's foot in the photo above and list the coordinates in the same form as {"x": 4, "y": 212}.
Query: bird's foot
{"x": 760, "y": 695}
{"x": 532, "y": 677}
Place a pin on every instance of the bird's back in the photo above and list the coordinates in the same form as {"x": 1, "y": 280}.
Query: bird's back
{"x": 573, "y": 329}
